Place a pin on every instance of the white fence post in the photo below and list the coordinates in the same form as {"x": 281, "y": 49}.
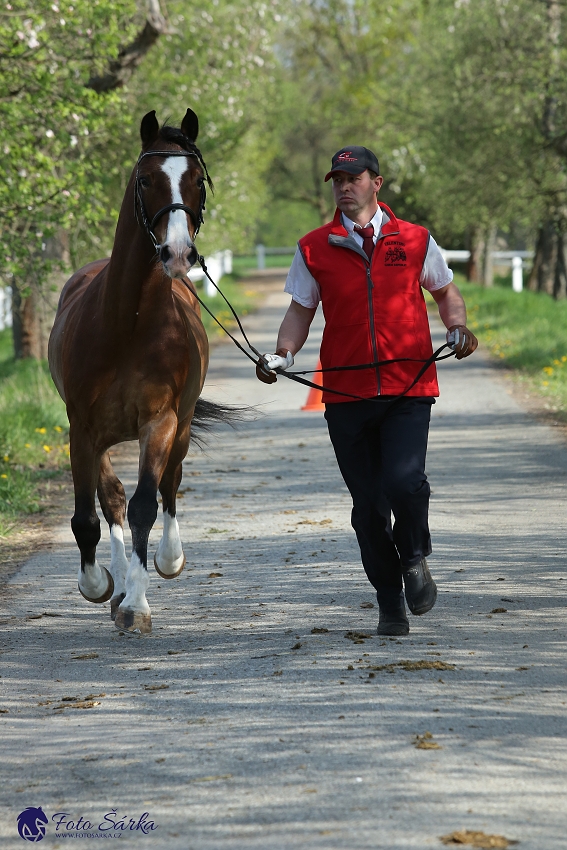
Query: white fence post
{"x": 261, "y": 257}
{"x": 5, "y": 308}
{"x": 517, "y": 274}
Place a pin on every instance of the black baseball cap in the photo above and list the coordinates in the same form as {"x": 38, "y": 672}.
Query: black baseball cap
{"x": 353, "y": 160}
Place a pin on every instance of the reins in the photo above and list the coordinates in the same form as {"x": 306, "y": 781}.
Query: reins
{"x": 295, "y": 376}
{"x": 258, "y": 360}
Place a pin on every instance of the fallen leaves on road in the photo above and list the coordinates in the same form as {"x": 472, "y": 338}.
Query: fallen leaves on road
{"x": 474, "y": 838}
{"x": 317, "y": 631}
{"x": 215, "y": 575}
{"x": 155, "y": 687}
{"x": 426, "y": 742}
{"x": 357, "y": 637}
{"x": 296, "y": 646}
{"x": 314, "y": 521}
{"x": 367, "y": 604}
{"x": 211, "y": 778}
{"x": 84, "y": 657}
{"x": 412, "y": 666}
{"x": 499, "y": 611}
{"x": 90, "y": 701}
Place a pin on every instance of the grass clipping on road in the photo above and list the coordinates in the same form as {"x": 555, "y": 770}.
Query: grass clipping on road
{"x": 526, "y": 331}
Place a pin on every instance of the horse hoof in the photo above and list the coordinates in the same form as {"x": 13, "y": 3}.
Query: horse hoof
{"x": 106, "y": 595}
{"x": 169, "y": 575}
{"x": 114, "y": 603}
{"x": 131, "y": 621}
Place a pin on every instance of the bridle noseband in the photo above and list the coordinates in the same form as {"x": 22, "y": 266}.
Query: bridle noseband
{"x": 140, "y": 208}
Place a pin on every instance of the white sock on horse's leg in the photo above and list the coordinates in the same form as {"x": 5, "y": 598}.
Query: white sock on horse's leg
{"x": 169, "y": 556}
{"x": 137, "y": 582}
{"x": 94, "y": 582}
{"x": 118, "y": 561}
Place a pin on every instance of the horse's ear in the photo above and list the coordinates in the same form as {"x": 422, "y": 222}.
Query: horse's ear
{"x": 190, "y": 125}
{"x": 149, "y": 129}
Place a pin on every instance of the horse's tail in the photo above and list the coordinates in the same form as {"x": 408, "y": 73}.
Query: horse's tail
{"x": 208, "y": 414}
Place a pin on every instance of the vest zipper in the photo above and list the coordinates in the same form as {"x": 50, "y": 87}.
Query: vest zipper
{"x": 370, "y": 286}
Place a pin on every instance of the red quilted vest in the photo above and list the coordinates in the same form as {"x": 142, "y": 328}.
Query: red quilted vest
{"x": 373, "y": 311}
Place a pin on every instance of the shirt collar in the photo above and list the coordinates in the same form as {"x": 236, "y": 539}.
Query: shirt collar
{"x": 375, "y": 221}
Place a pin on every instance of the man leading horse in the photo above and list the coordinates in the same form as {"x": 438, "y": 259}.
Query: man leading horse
{"x": 368, "y": 269}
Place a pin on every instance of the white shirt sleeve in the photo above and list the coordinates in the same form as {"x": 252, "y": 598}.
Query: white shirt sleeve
{"x": 301, "y": 284}
{"x": 435, "y": 273}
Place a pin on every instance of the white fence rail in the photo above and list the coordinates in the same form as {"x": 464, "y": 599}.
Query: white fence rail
{"x": 515, "y": 259}
{"x": 218, "y": 264}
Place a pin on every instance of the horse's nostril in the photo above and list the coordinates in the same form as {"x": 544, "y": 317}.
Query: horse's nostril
{"x": 193, "y": 256}
{"x": 164, "y": 254}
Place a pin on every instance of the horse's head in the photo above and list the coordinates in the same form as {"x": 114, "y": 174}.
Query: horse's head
{"x": 170, "y": 190}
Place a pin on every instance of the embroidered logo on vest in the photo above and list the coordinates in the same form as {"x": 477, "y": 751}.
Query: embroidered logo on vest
{"x": 395, "y": 257}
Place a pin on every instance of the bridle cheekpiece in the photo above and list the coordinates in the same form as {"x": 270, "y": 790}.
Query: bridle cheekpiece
{"x": 140, "y": 208}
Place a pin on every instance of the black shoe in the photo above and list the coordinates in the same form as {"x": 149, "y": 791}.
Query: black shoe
{"x": 393, "y": 619}
{"x": 421, "y": 590}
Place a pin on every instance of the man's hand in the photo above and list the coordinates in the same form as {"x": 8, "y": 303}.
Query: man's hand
{"x": 461, "y": 340}
{"x": 282, "y": 359}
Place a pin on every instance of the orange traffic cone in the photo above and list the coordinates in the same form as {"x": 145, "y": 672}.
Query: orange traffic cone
{"x": 314, "y": 397}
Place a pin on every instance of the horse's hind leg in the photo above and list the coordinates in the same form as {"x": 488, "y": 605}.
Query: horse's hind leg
{"x": 156, "y": 440}
{"x": 169, "y": 559}
{"x": 95, "y": 582}
{"x": 113, "y": 503}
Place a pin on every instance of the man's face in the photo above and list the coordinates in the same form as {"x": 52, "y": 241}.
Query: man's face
{"x": 354, "y": 193}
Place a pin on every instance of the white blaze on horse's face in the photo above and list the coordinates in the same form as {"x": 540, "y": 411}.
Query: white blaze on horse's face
{"x": 177, "y": 250}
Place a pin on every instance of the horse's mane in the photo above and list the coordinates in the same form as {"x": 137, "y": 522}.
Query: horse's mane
{"x": 176, "y": 136}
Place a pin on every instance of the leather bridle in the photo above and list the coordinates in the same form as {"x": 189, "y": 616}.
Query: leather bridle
{"x": 140, "y": 208}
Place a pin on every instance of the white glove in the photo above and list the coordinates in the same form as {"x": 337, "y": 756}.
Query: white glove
{"x": 454, "y": 338}
{"x": 275, "y": 361}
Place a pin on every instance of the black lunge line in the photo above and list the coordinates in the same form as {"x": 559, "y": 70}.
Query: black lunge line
{"x": 295, "y": 376}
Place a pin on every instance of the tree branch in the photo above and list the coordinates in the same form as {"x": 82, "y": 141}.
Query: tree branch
{"x": 122, "y": 68}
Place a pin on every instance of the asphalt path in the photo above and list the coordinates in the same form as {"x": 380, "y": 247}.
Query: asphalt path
{"x": 263, "y": 711}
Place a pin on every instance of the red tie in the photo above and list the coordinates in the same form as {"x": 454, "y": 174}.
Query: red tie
{"x": 367, "y": 241}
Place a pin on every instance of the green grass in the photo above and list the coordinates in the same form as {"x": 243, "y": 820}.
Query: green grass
{"x": 33, "y": 432}
{"x": 526, "y": 331}
{"x": 243, "y": 265}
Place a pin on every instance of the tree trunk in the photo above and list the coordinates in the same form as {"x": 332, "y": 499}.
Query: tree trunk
{"x": 549, "y": 272}
{"x": 25, "y": 323}
{"x": 488, "y": 277}
{"x": 476, "y": 247}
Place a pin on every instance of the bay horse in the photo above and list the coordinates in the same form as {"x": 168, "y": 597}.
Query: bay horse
{"x": 128, "y": 354}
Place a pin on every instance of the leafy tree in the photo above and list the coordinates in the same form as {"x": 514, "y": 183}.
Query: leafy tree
{"x": 51, "y": 127}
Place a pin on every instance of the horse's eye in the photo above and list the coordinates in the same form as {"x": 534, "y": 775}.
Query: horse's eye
{"x": 200, "y": 182}
{"x": 144, "y": 182}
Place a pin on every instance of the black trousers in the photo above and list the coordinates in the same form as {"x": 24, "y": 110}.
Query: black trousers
{"x": 381, "y": 454}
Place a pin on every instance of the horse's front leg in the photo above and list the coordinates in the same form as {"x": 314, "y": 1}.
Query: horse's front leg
{"x": 113, "y": 503}
{"x": 169, "y": 559}
{"x": 95, "y": 582}
{"x": 156, "y": 439}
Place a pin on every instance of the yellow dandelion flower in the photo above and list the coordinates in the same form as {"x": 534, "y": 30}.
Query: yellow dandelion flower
{"x": 46, "y": 449}
{"x": 40, "y": 430}
{"x": 545, "y": 383}
{"x": 548, "y": 370}
{"x": 564, "y": 358}
{"x": 557, "y": 362}
{"x": 58, "y": 428}
{"x": 6, "y": 458}
{"x": 3, "y": 475}
{"x": 27, "y": 445}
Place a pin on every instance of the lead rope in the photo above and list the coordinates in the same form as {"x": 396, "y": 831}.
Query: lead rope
{"x": 295, "y": 376}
